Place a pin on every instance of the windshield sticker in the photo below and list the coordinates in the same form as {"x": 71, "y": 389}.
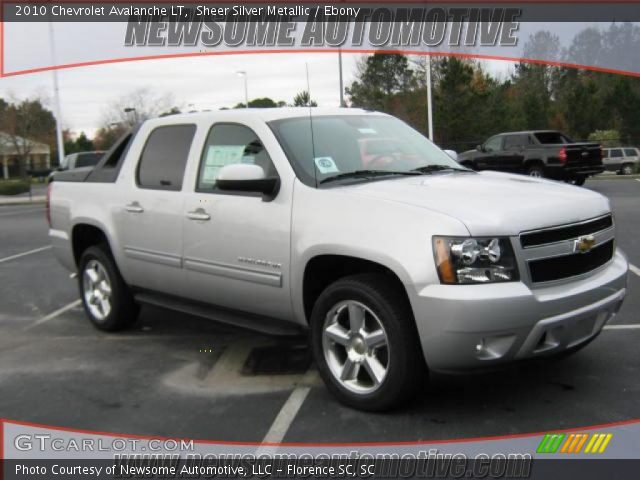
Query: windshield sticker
{"x": 367, "y": 131}
{"x": 326, "y": 165}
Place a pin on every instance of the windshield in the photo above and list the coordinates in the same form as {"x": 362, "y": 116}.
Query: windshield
{"x": 89, "y": 159}
{"x": 352, "y": 143}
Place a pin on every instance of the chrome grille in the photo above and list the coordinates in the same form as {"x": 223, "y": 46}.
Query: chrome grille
{"x": 551, "y": 254}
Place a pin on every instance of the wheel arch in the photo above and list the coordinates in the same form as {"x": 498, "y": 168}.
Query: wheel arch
{"x": 85, "y": 234}
{"x": 322, "y": 270}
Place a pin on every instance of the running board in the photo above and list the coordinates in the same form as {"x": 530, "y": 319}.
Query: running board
{"x": 249, "y": 321}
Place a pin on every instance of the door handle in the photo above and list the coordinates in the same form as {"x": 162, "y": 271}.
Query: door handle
{"x": 198, "y": 214}
{"x": 134, "y": 207}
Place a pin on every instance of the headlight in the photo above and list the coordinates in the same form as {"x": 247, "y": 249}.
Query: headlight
{"x": 474, "y": 260}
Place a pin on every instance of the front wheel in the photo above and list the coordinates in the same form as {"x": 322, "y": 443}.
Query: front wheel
{"x": 365, "y": 343}
{"x": 536, "y": 171}
{"x": 105, "y": 296}
{"x": 579, "y": 181}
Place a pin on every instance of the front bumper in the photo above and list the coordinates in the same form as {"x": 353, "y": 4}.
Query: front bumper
{"x": 463, "y": 327}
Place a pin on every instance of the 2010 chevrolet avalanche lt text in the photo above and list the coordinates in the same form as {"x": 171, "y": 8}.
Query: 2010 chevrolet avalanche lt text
{"x": 347, "y": 223}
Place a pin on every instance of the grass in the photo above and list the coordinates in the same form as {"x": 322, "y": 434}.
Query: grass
{"x": 14, "y": 187}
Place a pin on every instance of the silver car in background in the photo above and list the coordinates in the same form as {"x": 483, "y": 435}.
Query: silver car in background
{"x": 623, "y": 160}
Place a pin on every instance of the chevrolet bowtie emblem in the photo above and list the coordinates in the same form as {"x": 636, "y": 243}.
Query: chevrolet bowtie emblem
{"x": 584, "y": 244}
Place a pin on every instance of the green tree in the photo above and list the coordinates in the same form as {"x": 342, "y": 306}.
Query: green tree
{"x": 25, "y": 123}
{"x": 381, "y": 76}
{"x": 303, "y": 99}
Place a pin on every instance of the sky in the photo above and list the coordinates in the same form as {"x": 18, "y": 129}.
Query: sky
{"x": 197, "y": 83}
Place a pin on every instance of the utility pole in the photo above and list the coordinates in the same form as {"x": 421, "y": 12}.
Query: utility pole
{"x": 56, "y": 97}
{"x": 429, "y": 99}
{"x": 242, "y": 73}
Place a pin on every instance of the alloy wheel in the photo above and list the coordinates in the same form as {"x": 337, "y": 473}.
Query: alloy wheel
{"x": 97, "y": 289}
{"x": 356, "y": 347}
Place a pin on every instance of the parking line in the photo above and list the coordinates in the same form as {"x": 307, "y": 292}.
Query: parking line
{"x": 24, "y": 254}
{"x": 289, "y": 410}
{"x": 634, "y": 269}
{"x": 52, "y": 315}
{"x": 630, "y": 326}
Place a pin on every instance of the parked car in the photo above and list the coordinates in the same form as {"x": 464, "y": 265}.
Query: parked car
{"x": 269, "y": 219}
{"x": 623, "y": 160}
{"x": 81, "y": 160}
{"x": 539, "y": 153}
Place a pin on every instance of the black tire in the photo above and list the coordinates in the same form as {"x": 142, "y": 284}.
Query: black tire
{"x": 627, "y": 169}
{"x": 123, "y": 309}
{"x": 579, "y": 181}
{"x": 405, "y": 368}
{"x": 535, "y": 170}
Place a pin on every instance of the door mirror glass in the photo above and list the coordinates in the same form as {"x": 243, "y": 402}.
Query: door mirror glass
{"x": 243, "y": 177}
{"x": 480, "y": 148}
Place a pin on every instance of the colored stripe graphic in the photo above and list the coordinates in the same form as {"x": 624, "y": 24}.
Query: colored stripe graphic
{"x": 573, "y": 443}
{"x": 550, "y": 443}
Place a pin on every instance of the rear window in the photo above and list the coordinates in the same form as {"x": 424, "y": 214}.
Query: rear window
{"x": 89, "y": 159}
{"x": 630, "y": 152}
{"x": 552, "y": 138}
{"x": 165, "y": 156}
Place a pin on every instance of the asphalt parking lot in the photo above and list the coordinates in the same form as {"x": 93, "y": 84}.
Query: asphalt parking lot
{"x": 176, "y": 375}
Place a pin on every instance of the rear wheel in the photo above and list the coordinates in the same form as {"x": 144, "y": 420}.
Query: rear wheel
{"x": 535, "y": 170}
{"x": 106, "y": 298}
{"x": 364, "y": 343}
{"x": 626, "y": 169}
{"x": 579, "y": 181}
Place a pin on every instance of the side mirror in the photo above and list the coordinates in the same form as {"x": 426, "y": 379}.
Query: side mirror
{"x": 480, "y": 148}
{"x": 452, "y": 154}
{"x": 242, "y": 177}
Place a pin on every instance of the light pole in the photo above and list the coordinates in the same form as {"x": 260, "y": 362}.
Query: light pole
{"x": 133, "y": 118}
{"x": 429, "y": 99}
{"x": 56, "y": 97}
{"x": 242, "y": 73}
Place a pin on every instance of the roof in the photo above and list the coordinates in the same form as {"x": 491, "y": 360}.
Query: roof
{"x": 266, "y": 114}
{"x": 527, "y": 132}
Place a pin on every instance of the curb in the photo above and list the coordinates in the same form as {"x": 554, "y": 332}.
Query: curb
{"x": 39, "y": 200}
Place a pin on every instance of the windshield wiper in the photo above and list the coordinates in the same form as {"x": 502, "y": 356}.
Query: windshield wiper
{"x": 368, "y": 173}
{"x": 438, "y": 168}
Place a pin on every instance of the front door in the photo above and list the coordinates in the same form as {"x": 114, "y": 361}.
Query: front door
{"x": 237, "y": 244}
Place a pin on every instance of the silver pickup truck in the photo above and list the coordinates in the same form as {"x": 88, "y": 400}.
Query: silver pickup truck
{"x": 345, "y": 223}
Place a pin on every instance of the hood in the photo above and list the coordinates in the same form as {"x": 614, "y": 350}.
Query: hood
{"x": 491, "y": 203}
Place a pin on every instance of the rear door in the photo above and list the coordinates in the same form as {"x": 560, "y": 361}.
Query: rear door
{"x": 149, "y": 216}
{"x": 614, "y": 162}
{"x": 512, "y": 156}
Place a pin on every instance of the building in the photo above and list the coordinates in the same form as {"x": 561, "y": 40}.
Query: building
{"x": 39, "y": 155}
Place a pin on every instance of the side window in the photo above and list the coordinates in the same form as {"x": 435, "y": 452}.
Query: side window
{"x": 616, "y": 153}
{"x": 164, "y": 157}
{"x": 605, "y": 153}
{"x": 514, "y": 141}
{"x": 229, "y": 144}
{"x": 630, "y": 152}
{"x": 494, "y": 144}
